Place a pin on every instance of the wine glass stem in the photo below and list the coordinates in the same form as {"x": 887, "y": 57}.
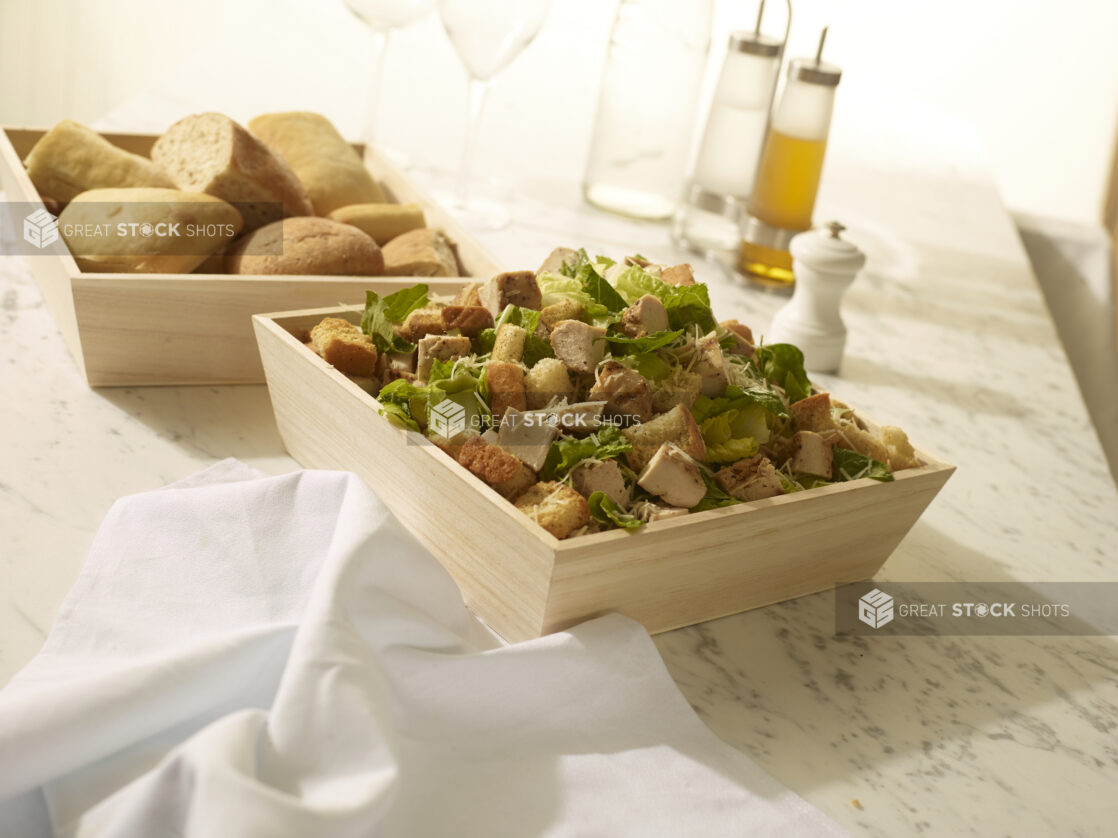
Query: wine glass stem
{"x": 477, "y": 95}
{"x": 380, "y": 48}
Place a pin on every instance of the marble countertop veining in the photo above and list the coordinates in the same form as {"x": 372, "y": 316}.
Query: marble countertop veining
{"x": 949, "y": 338}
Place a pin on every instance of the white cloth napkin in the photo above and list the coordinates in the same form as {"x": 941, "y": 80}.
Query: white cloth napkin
{"x": 276, "y": 656}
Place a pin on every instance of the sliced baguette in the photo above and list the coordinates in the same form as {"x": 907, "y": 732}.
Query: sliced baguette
{"x": 213, "y": 154}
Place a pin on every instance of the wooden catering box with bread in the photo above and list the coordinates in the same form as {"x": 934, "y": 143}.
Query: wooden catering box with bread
{"x": 153, "y": 252}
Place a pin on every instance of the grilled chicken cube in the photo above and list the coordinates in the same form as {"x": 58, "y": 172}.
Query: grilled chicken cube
{"x": 555, "y": 260}
{"x": 811, "y": 454}
{"x": 518, "y": 288}
{"x": 602, "y": 476}
{"x": 578, "y": 345}
{"x": 443, "y": 347}
{"x": 673, "y": 476}
{"x": 751, "y": 479}
{"x": 626, "y": 392}
{"x": 743, "y": 337}
{"x": 646, "y": 316}
{"x": 710, "y": 365}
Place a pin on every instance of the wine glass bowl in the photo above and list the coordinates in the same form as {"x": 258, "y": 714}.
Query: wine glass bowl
{"x": 487, "y": 35}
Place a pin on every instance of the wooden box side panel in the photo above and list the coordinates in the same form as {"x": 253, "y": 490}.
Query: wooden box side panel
{"x": 196, "y": 330}
{"x": 501, "y": 562}
{"x": 52, "y": 272}
{"x": 737, "y": 559}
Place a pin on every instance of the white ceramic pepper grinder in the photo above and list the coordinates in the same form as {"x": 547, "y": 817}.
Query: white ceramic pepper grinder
{"x": 824, "y": 265}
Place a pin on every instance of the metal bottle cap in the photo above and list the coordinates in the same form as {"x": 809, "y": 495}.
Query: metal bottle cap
{"x": 754, "y": 44}
{"x": 814, "y": 72}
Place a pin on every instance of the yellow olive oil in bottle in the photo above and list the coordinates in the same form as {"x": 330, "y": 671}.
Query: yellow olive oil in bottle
{"x": 788, "y": 175}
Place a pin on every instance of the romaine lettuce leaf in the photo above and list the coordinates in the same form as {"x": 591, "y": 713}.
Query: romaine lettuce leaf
{"x": 380, "y": 315}
{"x": 568, "y": 452}
{"x": 605, "y": 511}
{"x": 397, "y": 400}
{"x": 715, "y": 497}
{"x": 651, "y": 366}
{"x": 556, "y": 287}
{"x": 783, "y": 364}
{"x": 687, "y": 305}
{"x": 850, "y": 465}
{"x": 648, "y": 343}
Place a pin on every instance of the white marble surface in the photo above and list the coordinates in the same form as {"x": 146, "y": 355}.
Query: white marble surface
{"x": 949, "y": 338}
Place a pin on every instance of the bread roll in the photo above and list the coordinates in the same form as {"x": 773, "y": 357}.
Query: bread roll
{"x": 146, "y": 230}
{"x": 70, "y": 159}
{"x": 325, "y": 163}
{"x": 211, "y": 153}
{"x": 306, "y": 246}
{"x": 420, "y": 253}
{"x": 382, "y": 221}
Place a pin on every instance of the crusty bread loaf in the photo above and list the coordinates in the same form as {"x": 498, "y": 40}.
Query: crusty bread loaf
{"x": 211, "y": 153}
{"x": 146, "y": 229}
{"x": 420, "y": 253}
{"x": 327, "y": 166}
{"x": 70, "y": 159}
{"x": 306, "y": 246}
{"x": 383, "y": 222}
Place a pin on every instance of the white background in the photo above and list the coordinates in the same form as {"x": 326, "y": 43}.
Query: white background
{"x": 1038, "y": 81}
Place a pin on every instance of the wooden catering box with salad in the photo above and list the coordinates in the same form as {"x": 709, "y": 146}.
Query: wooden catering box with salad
{"x": 588, "y": 438}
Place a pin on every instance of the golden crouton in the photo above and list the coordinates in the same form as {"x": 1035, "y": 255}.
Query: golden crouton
{"x": 491, "y": 463}
{"x": 901, "y": 453}
{"x": 469, "y": 320}
{"x": 509, "y": 343}
{"x": 467, "y": 295}
{"x": 515, "y": 485}
{"x": 546, "y": 380}
{"x": 565, "y": 309}
{"x": 682, "y": 388}
{"x": 506, "y": 387}
{"x": 345, "y": 346}
{"x": 848, "y": 435}
{"x": 422, "y": 322}
{"x": 557, "y": 508}
{"x": 677, "y": 425}
{"x": 813, "y": 413}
